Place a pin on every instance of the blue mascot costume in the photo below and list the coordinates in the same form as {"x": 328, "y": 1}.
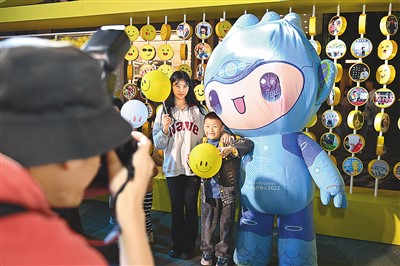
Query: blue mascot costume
{"x": 266, "y": 81}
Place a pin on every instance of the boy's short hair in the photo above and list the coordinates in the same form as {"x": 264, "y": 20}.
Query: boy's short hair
{"x": 213, "y": 115}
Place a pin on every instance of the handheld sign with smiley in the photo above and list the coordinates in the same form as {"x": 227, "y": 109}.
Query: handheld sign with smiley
{"x": 204, "y": 160}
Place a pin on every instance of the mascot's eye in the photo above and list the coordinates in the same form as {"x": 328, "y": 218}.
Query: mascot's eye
{"x": 270, "y": 87}
{"x": 215, "y": 103}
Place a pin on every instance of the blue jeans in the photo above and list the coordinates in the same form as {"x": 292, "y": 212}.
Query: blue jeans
{"x": 214, "y": 213}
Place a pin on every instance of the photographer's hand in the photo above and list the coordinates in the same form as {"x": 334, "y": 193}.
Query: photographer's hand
{"x": 134, "y": 247}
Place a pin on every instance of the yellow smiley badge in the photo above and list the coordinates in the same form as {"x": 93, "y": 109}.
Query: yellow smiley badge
{"x": 132, "y": 32}
{"x": 387, "y": 49}
{"x": 147, "y": 52}
{"x": 222, "y": 28}
{"x": 165, "y": 32}
{"x": 199, "y": 92}
{"x": 385, "y": 74}
{"x": 166, "y": 69}
{"x": 165, "y": 52}
{"x": 186, "y": 68}
{"x": 148, "y": 32}
{"x": 132, "y": 54}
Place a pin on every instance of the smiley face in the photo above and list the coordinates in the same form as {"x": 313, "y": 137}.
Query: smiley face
{"x": 148, "y": 32}
{"x": 204, "y": 160}
{"x": 199, "y": 92}
{"x": 165, "y": 32}
{"x": 132, "y": 54}
{"x": 385, "y": 74}
{"x": 132, "y": 32}
{"x": 222, "y": 28}
{"x": 166, "y": 69}
{"x": 387, "y": 49}
{"x": 165, "y": 52}
{"x": 147, "y": 52}
{"x": 186, "y": 68}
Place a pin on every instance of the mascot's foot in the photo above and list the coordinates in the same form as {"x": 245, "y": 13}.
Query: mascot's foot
{"x": 252, "y": 249}
{"x": 297, "y": 252}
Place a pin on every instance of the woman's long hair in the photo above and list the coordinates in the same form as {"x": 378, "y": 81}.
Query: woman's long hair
{"x": 190, "y": 96}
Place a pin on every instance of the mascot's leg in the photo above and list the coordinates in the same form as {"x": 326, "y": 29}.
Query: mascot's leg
{"x": 253, "y": 240}
{"x": 296, "y": 238}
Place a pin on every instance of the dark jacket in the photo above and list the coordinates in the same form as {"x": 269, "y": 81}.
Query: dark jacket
{"x": 227, "y": 175}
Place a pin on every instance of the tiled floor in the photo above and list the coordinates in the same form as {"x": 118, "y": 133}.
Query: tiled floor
{"x": 332, "y": 251}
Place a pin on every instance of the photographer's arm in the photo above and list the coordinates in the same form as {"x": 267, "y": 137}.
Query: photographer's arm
{"x": 134, "y": 247}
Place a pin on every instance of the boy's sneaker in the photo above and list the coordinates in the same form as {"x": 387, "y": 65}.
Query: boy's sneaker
{"x": 150, "y": 238}
{"x": 206, "y": 258}
{"x": 222, "y": 261}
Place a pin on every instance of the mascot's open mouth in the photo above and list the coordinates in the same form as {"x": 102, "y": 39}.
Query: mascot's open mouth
{"x": 239, "y": 104}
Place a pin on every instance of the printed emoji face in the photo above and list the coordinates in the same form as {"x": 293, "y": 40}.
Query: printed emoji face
{"x": 186, "y": 68}
{"x": 132, "y": 32}
{"x": 199, "y": 92}
{"x": 222, "y": 28}
{"x": 204, "y": 160}
{"x": 165, "y": 52}
{"x": 385, "y": 74}
{"x": 165, "y": 32}
{"x": 387, "y": 49}
{"x": 147, "y": 52}
{"x": 148, "y": 32}
{"x": 132, "y": 54}
{"x": 167, "y": 69}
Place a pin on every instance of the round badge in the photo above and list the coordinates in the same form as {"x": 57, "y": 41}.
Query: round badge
{"x": 382, "y": 122}
{"x": 355, "y": 119}
{"x": 339, "y": 72}
{"x": 129, "y": 91}
{"x": 200, "y": 71}
{"x": 151, "y": 110}
{"x": 199, "y": 92}
{"x": 389, "y": 25}
{"x": 357, "y": 96}
{"x": 147, "y": 52}
{"x": 383, "y": 98}
{"x": 184, "y": 31}
{"x": 396, "y": 170}
{"x": 129, "y": 72}
{"x": 145, "y": 68}
{"x": 337, "y": 25}
{"x": 186, "y": 68}
{"x": 165, "y": 32}
{"x": 222, "y": 28}
{"x": 312, "y": 26}
{"x": 331, "y": 119}
{"x": 203, "y": 30}
{"x": 183, "y": 51}
{"x": 354, "y": 143}
{"x": 361, "y": 47}
{"x": 387, "y": 49}
{"x": 385, "y": 74}
{"x": 380, "y": 145}
{"x": 317, "y": 46}
{"x": 202, "y": 51}
{"x": 132, "y": 32}
{"x": 330, "y": 141}
{"x": 166, "y": 69}
{"x": 334, "y": 97}
{"x": 165, "y": 52}
{"x": 352, "y": 166}
{"x": 148, "y": 32}
{"x": 335, "y": 49}
{"x": 132, "y": 54}
{"x": 378, "y": 168}
{"x": 362, "y": 24}
{"x": 359, "y": 72}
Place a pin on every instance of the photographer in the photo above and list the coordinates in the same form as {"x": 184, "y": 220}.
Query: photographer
{"x": 56, "y": 121}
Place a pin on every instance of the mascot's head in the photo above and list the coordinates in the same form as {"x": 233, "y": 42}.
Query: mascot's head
{"x": 265, "y": 76}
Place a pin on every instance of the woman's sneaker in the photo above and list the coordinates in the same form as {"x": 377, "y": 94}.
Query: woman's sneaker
{"x": 206, "y": 258}
{"x": 222, "y": 261}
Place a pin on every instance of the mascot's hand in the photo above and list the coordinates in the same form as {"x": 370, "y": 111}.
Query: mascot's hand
{"x": 337, "y": 193}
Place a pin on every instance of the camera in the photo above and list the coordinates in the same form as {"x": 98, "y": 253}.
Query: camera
{"x": 109, "y": 45}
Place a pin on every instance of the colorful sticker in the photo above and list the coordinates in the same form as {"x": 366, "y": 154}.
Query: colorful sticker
{"x": 357, "y": 96}
{"x": 203, "y": 30}
{"x": 359, "y": 72}
{"x": 378, "y": 168}
{"x": 331, "y": 119}
{"x": 336, "y": 49}
{"x": 354, "y": 143}
{"x": 330, "y": 141}
{"x": 352, "y": 166}
{"x": 384, "y": 98}
{"x": 361, "y": 47}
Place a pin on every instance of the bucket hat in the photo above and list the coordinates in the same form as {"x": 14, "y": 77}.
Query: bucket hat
{"x": 54, "y": 105}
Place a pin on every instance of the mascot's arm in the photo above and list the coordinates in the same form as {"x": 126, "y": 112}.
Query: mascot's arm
{"x": 325, "y": 174}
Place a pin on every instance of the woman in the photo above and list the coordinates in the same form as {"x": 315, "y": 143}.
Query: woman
{"x": 176, "y": 131}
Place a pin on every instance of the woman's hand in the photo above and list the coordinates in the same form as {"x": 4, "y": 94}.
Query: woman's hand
{"x": 226, "y": 138}
{"x": 166, "y": 122}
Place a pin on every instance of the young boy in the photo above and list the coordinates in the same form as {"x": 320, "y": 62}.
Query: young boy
{"x": 219, "y": 193}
